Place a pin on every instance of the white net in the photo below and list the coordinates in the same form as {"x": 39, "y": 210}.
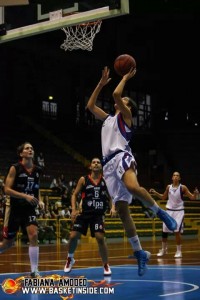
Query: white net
{"x": 81, "y": 36}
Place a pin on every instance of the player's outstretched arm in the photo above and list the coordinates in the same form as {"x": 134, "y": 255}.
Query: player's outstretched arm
{"x": 117, "y": 95}
{"x": 91, "y": 105}
{"x": 187, "y": 193}
{"x": 163, "y": 196}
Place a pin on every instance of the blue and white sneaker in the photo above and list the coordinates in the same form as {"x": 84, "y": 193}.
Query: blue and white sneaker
{"x": 167, "y": 219}
{"x": 142, "y": 258}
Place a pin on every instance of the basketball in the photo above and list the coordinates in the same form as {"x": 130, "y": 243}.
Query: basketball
{"x": 123, "y": 63}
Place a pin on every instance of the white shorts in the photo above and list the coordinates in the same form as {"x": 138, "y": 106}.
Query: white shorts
{"x": 178, "y": 215}
{"x": 113, "y": 171}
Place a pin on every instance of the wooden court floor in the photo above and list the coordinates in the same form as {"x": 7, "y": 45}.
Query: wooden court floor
{"x": 53, "y": 256}
{"x": 166, "y": 278}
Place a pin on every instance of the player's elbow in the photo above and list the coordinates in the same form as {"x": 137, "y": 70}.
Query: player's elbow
{"x": 90, "y": 107}
{"x": 6, "y": 190}
{"x": 115, "y": 94}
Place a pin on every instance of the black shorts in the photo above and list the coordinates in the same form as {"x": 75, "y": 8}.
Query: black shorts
{"x": 82, "y": 222}
{"x": 16, "y": 217}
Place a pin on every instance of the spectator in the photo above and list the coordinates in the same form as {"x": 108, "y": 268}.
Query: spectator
{"x": 40, "y": 160}
{"x": 54, "y": 186}
{"x": 65, "y": 198}
{"x": 58, "y": 214}
{"x": 62, "y": 183}
{"x": 46, "y": 230}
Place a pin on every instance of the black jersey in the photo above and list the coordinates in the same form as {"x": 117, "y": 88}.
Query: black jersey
{"x": 25, "y": 182}
{"x": 94, "y": 196}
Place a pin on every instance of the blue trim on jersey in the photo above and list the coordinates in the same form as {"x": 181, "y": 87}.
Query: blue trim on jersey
{"x": 121, "y": 125}
{"x": 181, "y": 192}
{"x": 124, "y": 163}
{"x": 108, "y": 158}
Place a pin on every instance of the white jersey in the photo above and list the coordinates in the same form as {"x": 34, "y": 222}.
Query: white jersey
{"x": 115, "y": 136}
{"x": 117, "y": 156}
{"x": 175, "y": 198}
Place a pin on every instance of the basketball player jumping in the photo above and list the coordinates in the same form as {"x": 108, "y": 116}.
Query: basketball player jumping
{"x": 119, "y": 165}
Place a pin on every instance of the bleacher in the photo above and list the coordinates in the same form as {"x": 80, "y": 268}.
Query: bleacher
{"x": 59, "y": 157}
{"x": 153, "y": 227}
{"x": 146, "y": 227}
{"x": 59, "y": 162}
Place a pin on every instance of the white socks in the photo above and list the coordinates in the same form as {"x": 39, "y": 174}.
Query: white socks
{"x": 164, "y": 245}
{"x": 154, "y": 208}
{"x": 34, "y": 256}
{"x": 70, "y": 255}
{"x": 135, "y": 243}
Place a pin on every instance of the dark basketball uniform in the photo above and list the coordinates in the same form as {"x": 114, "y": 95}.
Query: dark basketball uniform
{"x": 95, "y": 202}
{"x": 19, "y": 212}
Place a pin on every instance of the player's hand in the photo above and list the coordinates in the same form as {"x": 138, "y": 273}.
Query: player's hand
{"x": 74, "y": 214}
{"x": 152, "y": 191}
{"x": 41, "y": 204}
{"x": 105, "y": 76}
{"x": 32, "y": 200}
{"x": 113, "y": 212}
{"x": 130, "y": 74}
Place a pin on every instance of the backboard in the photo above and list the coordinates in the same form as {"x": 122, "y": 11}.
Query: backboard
{"x": 23, "y": 18}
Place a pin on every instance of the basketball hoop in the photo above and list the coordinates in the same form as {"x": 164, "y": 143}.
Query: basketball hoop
{"x": 81, "y": 36}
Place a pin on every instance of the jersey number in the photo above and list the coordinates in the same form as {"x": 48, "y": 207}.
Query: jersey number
{"x": 96, "y": 194}
{"x": 30, "y": 185}
{"x": 32, "y": 219}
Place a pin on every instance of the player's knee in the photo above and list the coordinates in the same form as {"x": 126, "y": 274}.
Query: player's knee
{"x": 100, "y": 240}
{"x": 136, "y": 190}
{"x": 73, "y": 239}
{"x": 123, "y": 212}
{"x": 74, "y": 235}
{"x": 33, "y": 236}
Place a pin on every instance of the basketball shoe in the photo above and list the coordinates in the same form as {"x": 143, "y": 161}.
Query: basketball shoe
{"x": 162, "y": 252}
{"x": 167, "y": 219}
{"x": 69, "y": 263}
{"x": 178, "y": 254}
{"x": 142, "y": 258}
{"x": 35, "y": 274}
{"x": 107, "y": 270}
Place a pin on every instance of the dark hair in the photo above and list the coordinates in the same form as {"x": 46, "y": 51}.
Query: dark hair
{"x": 95, "y": 158}
{"x": 133, "y": 106}
{"x": 20, "y": 148}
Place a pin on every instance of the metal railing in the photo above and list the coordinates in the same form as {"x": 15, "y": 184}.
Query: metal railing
{"x": 149, "y": 227}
